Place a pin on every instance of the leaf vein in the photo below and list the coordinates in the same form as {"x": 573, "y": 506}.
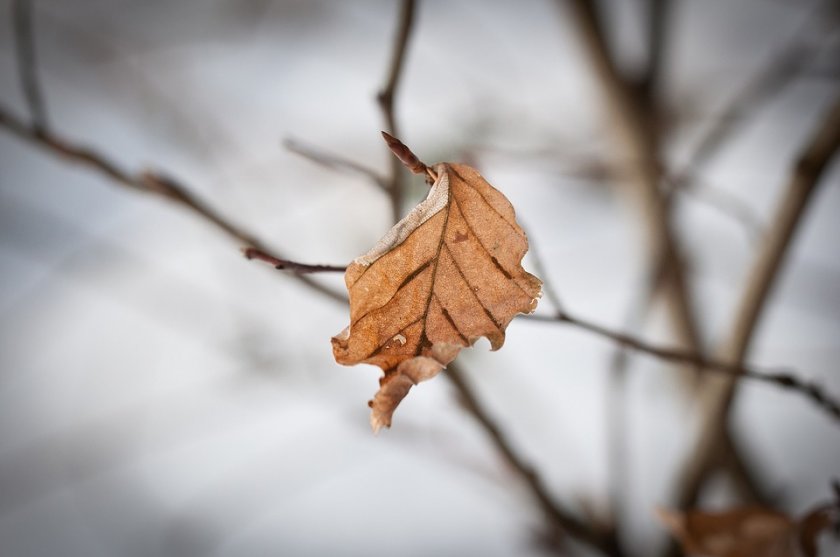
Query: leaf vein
{"x": 467, "y": 283}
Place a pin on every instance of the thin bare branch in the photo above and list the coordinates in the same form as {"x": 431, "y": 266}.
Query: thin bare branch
{"x": 147, "y": 182}
{"x": 804, "y": 179}
{"x": 784, "y": 379}
{"x": 659, "y": 12}
{"x": 293, "y": 266}
{"x": 335, "y": 162}
{"x": 386, "y": 99}
{"x": 563, "y": 520}
{"x": 27, "y": 62}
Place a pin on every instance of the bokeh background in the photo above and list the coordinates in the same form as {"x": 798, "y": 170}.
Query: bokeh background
{"x": 161, "y": 395}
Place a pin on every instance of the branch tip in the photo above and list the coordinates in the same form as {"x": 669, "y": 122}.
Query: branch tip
{"x": 286, "y": 265}
{"x": 404, "y": 154}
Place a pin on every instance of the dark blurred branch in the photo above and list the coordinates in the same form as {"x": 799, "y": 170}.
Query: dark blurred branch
{"x": 559, "y": 517}
{"x": 658, "y": 12}
{"x": 27, "y": 62}
{"x": 386, "y": 99}
{"x": 148, "y": 182}
{"x": 335, "y": 162}
{"x": 804, "y": 179}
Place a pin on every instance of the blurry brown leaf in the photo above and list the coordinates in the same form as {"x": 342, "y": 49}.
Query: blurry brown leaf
{"x": 748, "y": 532}
{"x": 447, "y": 274}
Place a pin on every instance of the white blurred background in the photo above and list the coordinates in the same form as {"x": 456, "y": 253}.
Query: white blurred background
{"x": 161, "y": 395}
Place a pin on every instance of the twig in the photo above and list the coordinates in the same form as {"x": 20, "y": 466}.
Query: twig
{"x": 147, "y": 182}
{"x": 335, "y": 162}
{"x": 406, "y": 157}
{"x": 761, "y": 279}
{"x": 27, "y": 62}
{"x": 784, "y": 379}
{"x": 558, "y": 516}
{"x": 386, "y": 97}
{"x": 659, "y": 12}
{"x": 293, "y": 266}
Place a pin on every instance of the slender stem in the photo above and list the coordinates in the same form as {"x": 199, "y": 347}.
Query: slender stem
{"x": 147, "y": 182}
{"x": 386, "y": 99}
{"x": 658, "y": 12}
{"x": 286, "y": 265}
{"x": 559, "y": 517}
{"x": 27, "y": 62}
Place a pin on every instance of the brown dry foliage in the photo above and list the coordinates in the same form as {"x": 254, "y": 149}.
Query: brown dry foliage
{"x": 748, "y": 531}
{"x": 447, "y": 274}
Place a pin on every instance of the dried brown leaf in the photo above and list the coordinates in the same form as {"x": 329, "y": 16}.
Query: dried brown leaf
{"x": 747, "y": 532}
{"x": 447, "y": 274}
